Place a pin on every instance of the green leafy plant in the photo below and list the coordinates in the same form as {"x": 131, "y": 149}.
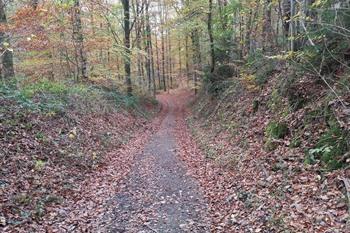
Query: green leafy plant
{"x": 276, "y": 130}
{"x": 331, "y": 146}
{"x": 39, "y": 165}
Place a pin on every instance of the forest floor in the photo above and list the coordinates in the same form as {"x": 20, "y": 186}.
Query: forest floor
{"x": 143, "y": 186}
{"x": 162, "y": 181}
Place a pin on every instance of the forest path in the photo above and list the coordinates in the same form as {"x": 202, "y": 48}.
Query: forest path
{"x": 159, "y": 195}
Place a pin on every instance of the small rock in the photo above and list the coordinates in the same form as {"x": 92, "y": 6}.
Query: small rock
{"x": 233, "y": 219}
{"x": 263, "y": 184}
{"x": 230, "y": 198}
{"x": 184, "y": 226}
{"x": 341, "y": 205}
{"x": 319, "y": 218}
{"x": 2, "y": 221}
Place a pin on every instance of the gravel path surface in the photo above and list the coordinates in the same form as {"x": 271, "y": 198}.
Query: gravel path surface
{"x": 159, "y": 195}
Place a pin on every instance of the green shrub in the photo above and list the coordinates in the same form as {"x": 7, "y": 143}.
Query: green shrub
{"x": 295, "y": 142}
{"x": 217, "y": 82}
{"x": 270, "y": 145}
{"x": 52, "y": 97}
{"x": 276, "y": 130}
{"x": 331, "y": 146}
{"x": 275, "y": 102}
{"x": 256, "y": 104}
{"x": 260, "y": 66}
{"x": 44, "y": 87}
{"x": 264, "y": 73}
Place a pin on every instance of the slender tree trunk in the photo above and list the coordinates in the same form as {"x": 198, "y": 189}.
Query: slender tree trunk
{"x": 127, "y": 59}
{"x": 248, "y": 32}
{"x": 152, "y": 66}
{"x": 158, "y": 62}
{"x": 196, "y": 57}
{"x": 138, "y": 29}
{"x": 148, "y": 56}
{"x": 267, "y": 29}
{"x": 286, "y": 17}
{"x": 211, "y": 38}
{"x": 118, "y": 69}
{"x": 149, "y": 49}
{"x": 187, "y": 59}
{"x": 163, "y": 46}
{"x": 170, "y": 62}
{"x": 241, "y": 47}
{"x": 7, "y": 70}
{"x": 292, "y": 25}
{"x": 79, "y": 40}
{"x": 180, "y": 62}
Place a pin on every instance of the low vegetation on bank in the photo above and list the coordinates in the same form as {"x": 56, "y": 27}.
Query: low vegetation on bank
{"x": 53, "y": 134}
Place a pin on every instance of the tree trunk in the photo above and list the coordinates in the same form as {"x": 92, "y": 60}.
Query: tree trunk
{"x": 163, "y": 47}
{"x": 180, "y": 62}
{"x": 286, "y": 17}
{"x": 148, "y": 48}
{"x": 127, "y": 57}
{"x": 138, "y": 29}
{"x": 170, "y": 62}
{"x": 248, "y": 32}
{"x": 7, "y": 70}
{"x": 267, "y": 29}
{"x": 79, "y": 41}
{"x": 292, "y": 25}
{"x": 211, "y": 38}
{"x": 196, "y": 57}
{"x": 158, "y": 63}
{"x": 149, "y": 61}
{"x": 187, "y": 59}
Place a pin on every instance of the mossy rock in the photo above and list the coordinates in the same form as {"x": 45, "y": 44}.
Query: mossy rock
{"x": 276, "y": 130}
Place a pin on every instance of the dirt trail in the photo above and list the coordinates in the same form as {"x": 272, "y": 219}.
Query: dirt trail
{"x": 159, "y": 195}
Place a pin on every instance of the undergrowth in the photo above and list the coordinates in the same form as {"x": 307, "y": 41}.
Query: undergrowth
{"x": 53, "y": 97}
{"x": 277, "y": 89}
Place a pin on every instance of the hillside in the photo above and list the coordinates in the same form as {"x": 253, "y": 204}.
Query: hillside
{"x": 276, "y": 160}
